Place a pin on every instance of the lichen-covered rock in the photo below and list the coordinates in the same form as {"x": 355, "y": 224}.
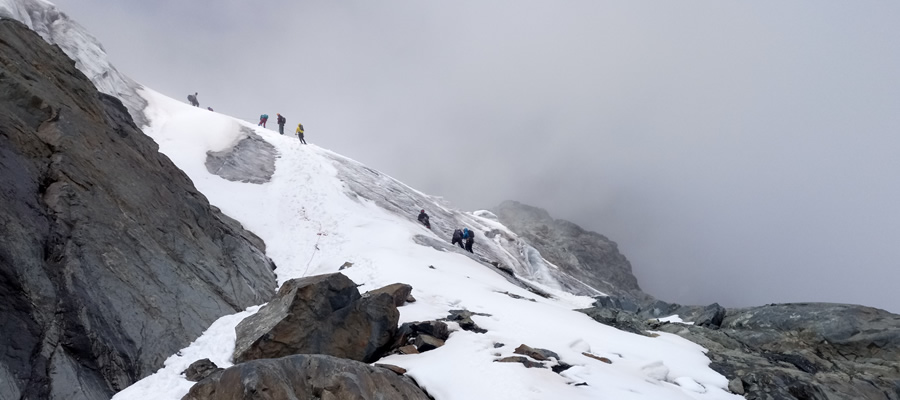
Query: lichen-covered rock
{"x": 323, "y": 314}
{"x": 307, "y": 376}
{"x": 110, "y": 258}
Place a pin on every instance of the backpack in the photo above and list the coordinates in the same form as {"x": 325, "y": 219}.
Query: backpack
{"x": 265, "y": 116}
{"x": 281, "y": 120}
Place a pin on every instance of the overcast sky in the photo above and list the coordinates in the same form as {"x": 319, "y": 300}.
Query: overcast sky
{"x": 739, "y": 152}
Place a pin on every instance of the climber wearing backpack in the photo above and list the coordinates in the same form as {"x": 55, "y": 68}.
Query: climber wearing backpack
{"x": 300, "y": 133}
{"x": 469, "y": 235}
{"x": 262, "y": 120}
{"x": 281, "y": 121}
{"x": 423, "y": 218}
{"x": 457, "y": 238}
{"x": 193, "y": 99}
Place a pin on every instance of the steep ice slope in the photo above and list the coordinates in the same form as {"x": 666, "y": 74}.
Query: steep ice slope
{"x": 320, "y": 210}
{"x": 57, "y": 28}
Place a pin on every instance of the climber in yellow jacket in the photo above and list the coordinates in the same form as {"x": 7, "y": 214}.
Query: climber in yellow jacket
{"x": 300, "y": 133}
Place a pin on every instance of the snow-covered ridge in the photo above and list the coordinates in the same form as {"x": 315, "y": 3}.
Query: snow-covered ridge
{"x": 320, "y": 210}
{"x": 90, "y": 58}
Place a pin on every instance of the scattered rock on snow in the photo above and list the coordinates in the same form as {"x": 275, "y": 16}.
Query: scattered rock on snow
{"x": 604, "y": 359}
{"x": 345, "y": 265}
{"x": 537, "y": 354}
{"x": 408, "y": 349}
{"x": 399, "y": 291}
{"x": 464, "y": 319}
{"x": 200, "y": 369}
{"x": 322, "y": 314}
{"x": 521, "y": 360}
{"x": 515, "y": 296}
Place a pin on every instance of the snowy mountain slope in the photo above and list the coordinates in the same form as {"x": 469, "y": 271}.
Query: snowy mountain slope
{"x": 57, "y": 28}
{"x": 320, "y": 210}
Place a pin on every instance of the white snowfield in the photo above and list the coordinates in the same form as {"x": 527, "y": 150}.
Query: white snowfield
{"x": 312, "y": 226}
{"x": 314, "y": 216}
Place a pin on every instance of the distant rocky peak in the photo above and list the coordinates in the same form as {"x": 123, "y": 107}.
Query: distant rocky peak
{"x": 588, "y": 256}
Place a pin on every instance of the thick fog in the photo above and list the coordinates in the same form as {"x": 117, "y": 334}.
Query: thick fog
{"x": 744, "y": 153}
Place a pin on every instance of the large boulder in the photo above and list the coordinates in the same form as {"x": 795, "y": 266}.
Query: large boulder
{"x": 322, "y": 314}
{"x": 110, "y": 259}
{"x": 306, "y": 376}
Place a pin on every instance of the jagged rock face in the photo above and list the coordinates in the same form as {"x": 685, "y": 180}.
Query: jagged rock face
{"x": 110, "y": 259}
{"x": 322, "y": 314}
{"x": 790, "y": 351}
{"x": 587, "y": 256}
{"x": 57, "y": 28}
{"x": 306, "y": 377}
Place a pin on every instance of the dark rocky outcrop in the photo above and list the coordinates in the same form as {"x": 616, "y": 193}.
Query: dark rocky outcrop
{"x": 464, "y": 319}
{"x": 110, "y": 259}
{"x": 250, "y": 160}
{"x": 589, "y": 257}
{"x": 322, "y": 314}
{"x": 417, "y": 337}
{"x": 787, "y": 351}
{"x": 307, "y": 376}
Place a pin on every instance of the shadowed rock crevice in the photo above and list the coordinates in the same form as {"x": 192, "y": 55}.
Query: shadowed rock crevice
{"x": 250, "y": 160}
{"x": 110, "y": 259}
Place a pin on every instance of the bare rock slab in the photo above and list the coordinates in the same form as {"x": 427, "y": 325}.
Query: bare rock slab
{"x": 323, "y": 314}
{"x": 399, "y": 291}
{"x": 306, "y": 376}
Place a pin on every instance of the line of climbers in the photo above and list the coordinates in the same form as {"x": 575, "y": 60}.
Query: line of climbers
{"x": 281, "y": 120}
{"x": 192, "y": 98}
{"x": 459, "y": 235}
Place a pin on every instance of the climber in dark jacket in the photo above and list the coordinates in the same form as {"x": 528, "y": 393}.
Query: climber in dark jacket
{"x": 281, "y": 121}
{"x": 423, "y": 218}
{"x": 193, "y": 99}
{"x": 457, "y": 238}
{"x": 469, "y": 235}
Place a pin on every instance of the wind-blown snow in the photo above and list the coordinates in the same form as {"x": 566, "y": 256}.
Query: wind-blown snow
{"x": 313, "y": 221}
